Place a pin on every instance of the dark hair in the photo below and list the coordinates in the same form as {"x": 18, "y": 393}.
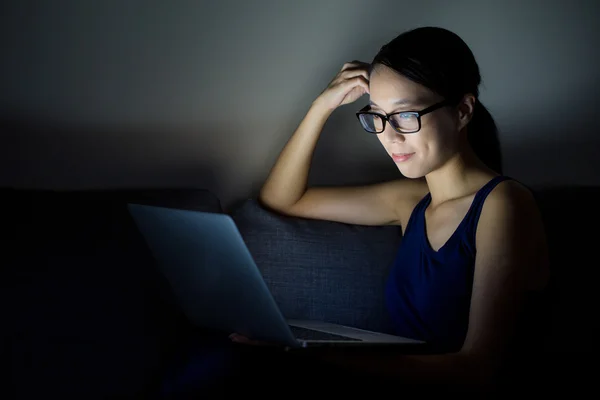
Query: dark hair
{"x": 441, "y": 61}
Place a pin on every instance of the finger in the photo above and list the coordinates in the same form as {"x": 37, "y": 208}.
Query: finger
{"x": 357, "y": 81}
{"x": 352, "y": 73}
{"x": 348, "y": 65}
{"x": 349, "y": 74}
{"x": 354, "y": 64}
{"x": 237, "y": 338}
{"x": 343, "y": 76}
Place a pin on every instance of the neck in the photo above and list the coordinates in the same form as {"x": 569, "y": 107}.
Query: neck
{"x": 459, "y": 176}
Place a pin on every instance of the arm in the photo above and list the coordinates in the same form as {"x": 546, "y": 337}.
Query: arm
{"x": 287, "y": 180}
{"x": 285, "y": 190}
{"x": 510, "y": 251}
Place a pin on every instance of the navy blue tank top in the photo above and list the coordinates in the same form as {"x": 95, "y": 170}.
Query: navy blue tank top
{"x": 428, "y": 292}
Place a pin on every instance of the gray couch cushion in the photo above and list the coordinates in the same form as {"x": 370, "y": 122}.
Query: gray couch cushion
{"x": 321, "y": 269}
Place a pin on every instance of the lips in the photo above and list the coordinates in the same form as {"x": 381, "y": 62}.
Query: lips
{"x": 400, "y": 157}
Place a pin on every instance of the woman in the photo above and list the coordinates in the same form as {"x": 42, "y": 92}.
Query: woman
{"x": 473, "y": 242}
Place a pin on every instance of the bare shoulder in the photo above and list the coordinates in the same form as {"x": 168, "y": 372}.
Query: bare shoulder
{"x": 510, "y": 198}
{"x": 404, "y": 194}
{"x": 511, "y": 228}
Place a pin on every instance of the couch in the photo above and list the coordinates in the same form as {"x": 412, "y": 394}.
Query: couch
{"x": 86, "y": 314}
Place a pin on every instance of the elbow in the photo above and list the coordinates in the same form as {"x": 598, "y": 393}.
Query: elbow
{"x": 277, "y": 203}
{"x": 271, "y": 203}
{"x": 267, "y": 199}
{"x": 263, "y": 197}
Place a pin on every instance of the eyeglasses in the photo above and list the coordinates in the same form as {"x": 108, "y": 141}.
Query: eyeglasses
{"x": 403, "y": 121}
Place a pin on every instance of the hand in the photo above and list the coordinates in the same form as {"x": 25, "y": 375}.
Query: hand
{"x": 237, "y": 338}
{"x": 348, "y": 86}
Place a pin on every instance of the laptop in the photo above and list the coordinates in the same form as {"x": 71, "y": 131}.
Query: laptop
{"x": 218, "y": 285}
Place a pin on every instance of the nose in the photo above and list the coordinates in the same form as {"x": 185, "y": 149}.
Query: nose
{"x": 390, "y": 135}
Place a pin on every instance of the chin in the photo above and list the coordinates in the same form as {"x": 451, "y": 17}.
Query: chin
{"x": 411, "y": 171}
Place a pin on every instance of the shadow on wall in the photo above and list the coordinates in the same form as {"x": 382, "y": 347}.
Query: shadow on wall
{"x": 38, "y": 154}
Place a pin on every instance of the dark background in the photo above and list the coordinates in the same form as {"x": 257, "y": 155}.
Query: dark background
{"x": 133, "y": 93}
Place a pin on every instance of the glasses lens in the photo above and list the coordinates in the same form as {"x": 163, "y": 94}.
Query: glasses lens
{"x": 405, "y": 122}
{"x": 371, "y": 122}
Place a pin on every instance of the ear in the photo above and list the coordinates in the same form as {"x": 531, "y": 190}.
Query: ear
{"x": 465, "y": 110}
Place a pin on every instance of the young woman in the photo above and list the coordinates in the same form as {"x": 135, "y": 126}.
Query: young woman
{"x": 473, "y": 242}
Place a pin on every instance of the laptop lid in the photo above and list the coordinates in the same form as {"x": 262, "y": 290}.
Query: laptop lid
{"x": 211, "y": 272}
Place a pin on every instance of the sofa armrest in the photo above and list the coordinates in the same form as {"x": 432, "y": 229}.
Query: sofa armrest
{"x": 318, "y": 269}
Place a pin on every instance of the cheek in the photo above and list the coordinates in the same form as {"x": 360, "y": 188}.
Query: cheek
{"x": 440, "y": 137}
{"x": 432, "y": 147}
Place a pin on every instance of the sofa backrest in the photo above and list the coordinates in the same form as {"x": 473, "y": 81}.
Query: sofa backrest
{"x": 318, "y": 269}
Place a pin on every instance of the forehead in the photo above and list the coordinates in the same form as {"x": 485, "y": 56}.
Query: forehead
{"x": 390, "y": 90}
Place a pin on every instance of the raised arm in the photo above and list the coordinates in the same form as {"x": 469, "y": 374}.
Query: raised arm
{"x": 286, "y": 191}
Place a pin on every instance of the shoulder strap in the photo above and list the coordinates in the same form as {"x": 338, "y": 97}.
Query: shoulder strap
{"x": 417, "y": 212}
{"x": 478, "y": 201}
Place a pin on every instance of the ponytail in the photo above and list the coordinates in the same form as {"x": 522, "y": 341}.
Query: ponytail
{"x": 482, "y": 134}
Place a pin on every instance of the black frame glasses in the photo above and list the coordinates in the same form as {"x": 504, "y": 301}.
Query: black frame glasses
{"x": 386, "y": 118}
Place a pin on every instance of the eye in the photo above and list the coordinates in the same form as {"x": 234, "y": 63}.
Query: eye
{"x": 405, "y": 115}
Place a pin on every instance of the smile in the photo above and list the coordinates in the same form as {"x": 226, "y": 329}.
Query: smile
{"x": 401, "y": 157}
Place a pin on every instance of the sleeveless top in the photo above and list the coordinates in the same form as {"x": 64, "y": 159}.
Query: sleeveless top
{"x": 428, "y": 292}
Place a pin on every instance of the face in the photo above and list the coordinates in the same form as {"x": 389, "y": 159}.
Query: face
{"x": 438, "y": 140}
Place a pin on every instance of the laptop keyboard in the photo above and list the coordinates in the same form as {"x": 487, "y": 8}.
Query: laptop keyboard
{"x": 311, "y": 334}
